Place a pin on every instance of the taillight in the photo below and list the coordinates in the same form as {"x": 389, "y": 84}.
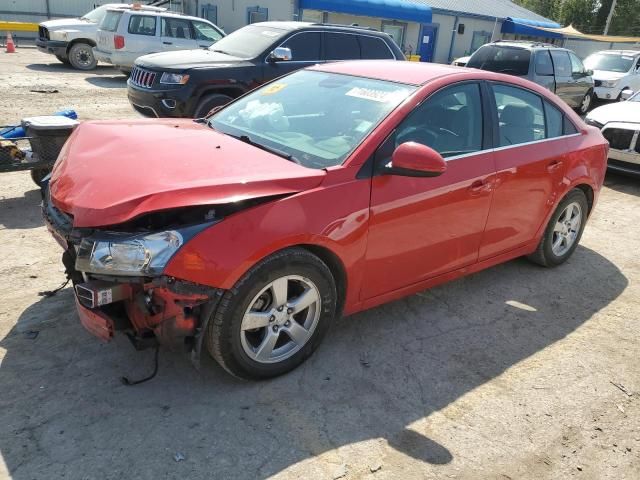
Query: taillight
{"x": 118, "y": 42}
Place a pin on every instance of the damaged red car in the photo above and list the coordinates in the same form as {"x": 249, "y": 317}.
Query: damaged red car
{"x": 326, "y": 192}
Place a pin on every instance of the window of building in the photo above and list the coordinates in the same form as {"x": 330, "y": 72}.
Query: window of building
{"x": 395, "y": 30}
{"x": 142, "y": 25}
{"x": 478, "y": 40}
{"x": 257, "y": 14}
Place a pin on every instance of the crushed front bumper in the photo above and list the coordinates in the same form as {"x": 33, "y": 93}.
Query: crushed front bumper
{"x": 52, "y": 46}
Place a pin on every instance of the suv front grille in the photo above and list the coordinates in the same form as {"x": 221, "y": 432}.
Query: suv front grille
{"x": 618, "y": 138}
{"x": 43, "y": 33}
{"x": 142, "y": 78}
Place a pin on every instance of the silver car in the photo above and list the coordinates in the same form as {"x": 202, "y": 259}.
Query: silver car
{"x": 125, "y": 35}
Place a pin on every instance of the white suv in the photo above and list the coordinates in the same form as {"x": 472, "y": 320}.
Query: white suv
{"x": 125, "y": 35}
{"x": 614, "y": 71}
{"x": 71, "y": 39}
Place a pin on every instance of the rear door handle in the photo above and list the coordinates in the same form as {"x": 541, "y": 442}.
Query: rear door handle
{"x": 168, "y": 43}
{"x": 553, "y": 166}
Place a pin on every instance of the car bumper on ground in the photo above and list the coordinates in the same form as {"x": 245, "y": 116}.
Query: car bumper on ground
{"x": 120, "y": 60}
{"x": 52, "y": 46}
{"x": 605, "y": 93}
{"x": 157, "y": 103}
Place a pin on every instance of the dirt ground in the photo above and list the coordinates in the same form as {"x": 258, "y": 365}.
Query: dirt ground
{"x": 517, "y": 372}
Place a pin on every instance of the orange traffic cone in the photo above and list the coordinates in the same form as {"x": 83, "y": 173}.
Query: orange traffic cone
{"x": 11, "y": 47}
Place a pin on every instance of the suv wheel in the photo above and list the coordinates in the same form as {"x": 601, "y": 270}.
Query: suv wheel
{"x": 586, "y": 103}
{"x": 81, "y": 56}
{"x": 210, "y": 102}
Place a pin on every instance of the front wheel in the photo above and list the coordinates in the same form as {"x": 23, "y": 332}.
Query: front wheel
{"x": 274, "y": 317}
{"x": 81, "y": 57}
{"x": 209, "y": 102}
{"x": 586, "y": 103}
{"x": 564, "y": 230}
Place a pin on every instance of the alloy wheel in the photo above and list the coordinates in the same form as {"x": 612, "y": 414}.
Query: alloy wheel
{"x": 566, "y": 229}
{"x": 280, "y": 319}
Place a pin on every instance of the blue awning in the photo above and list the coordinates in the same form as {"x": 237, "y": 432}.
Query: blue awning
{"x": 523, "y": 26}
{"x": 391, "y": 9}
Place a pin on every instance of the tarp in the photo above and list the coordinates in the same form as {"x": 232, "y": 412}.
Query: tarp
{"x": 534, "y": 28}
{"x": 393, "y": 9}
{"x": 521, "y": 26}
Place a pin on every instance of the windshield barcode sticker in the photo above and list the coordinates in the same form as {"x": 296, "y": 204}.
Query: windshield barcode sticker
{"x": 372, "y": 94}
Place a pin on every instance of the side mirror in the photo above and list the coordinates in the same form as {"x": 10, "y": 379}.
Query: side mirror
{"x": 413, "y": 159}
{"x": 589, "y": 73}
{"x": 280, "y": 54}
{"x": 626, "y": 94}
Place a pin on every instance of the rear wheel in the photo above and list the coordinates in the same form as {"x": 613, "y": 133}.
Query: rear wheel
{"x": 564, "y": 230}
{"x": 274, "y": 317}
{"x": 81, "y": 56}
{"x": 210, "y": 102}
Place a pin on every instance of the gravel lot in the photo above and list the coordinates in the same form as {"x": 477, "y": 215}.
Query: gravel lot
{"x": 515, "y": 372}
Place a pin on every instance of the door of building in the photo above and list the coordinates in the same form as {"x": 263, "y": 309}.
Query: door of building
{"x": 427, "y": 42}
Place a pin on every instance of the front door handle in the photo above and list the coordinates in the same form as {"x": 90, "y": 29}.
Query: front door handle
{"x": 553, "y": 166}
{"x": 168, "y": 43}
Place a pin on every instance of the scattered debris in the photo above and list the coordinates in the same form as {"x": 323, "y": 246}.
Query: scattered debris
{"x": 31, "y": 334}
{"x": 44, "y": 90}
{"x": 622, "y": 388}
{"x": 340, "y": 472}
{"x": 375, "y": 467}
{"x": 579, "y": 467}
{"x": 179, "y": 457}
{"x": 620, "y": 407}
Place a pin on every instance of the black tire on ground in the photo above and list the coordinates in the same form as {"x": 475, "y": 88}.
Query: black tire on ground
{"x": 64, "y": 59}
{"x": 585, "y": 105}
{"x": 223, "y": 335}
{"x": 37, "y": 174}
{"x": 544, "y": 255}
{"x": 81, "y": 56}
{"x": 209, "y": 102}
{"x": 126, "y": 73}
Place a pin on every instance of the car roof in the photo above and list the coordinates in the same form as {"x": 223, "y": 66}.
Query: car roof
{"x": 162, "y": 12}
{"x": 126, "y": 6}
{"x": 411, "y": 73}
{"x": 293, "y": 25}
{"x": 619, "y": 52}
{"x": 528, "y": 45}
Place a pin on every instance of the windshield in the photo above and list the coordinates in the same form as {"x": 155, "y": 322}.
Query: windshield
{"x": 96, "y": 15}
{"x": 315, "y": 118}
{"x": 609, "y": 63}
{"x": 248, "y": 42}
{"x": 511, "y": 60}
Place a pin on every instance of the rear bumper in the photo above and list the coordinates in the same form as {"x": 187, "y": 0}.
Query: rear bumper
{"x": 119, "y": 59}
{"x": 52, "y": 46}
{"x": 174, "y": 103}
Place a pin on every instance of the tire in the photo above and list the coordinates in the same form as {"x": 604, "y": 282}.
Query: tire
{"x": 81, "y": 56}
{"x": 238, "y": 348}
{"x": 209, "y": 102}
{"x": 38, "y": 174}
{"x": 126, "y": 73}
{"x": 547, "y": 254}
{"x": 63, "y": 59}
{"x": 586, "y": 103}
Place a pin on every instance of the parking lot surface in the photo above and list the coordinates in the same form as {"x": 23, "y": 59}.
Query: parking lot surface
{"x": 515, "y": 372}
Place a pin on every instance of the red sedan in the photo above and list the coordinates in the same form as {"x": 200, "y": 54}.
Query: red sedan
{"x": 329, "y": 191}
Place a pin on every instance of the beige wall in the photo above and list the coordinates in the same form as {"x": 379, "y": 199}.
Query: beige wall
{"x": 232, "y": 14}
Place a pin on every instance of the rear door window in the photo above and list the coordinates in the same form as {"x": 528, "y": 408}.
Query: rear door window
{"x": 554, "y": 120}
{"x": 374, "y": 48}
{"x": 110, "y": 21}
{"x": 305, "y": 47}
{"x": 142, "y": 25}
{"x": 544, "y": 66}
{"x": 520, "y": 114}
{"x": 561, "y": 62}
{"x": 341, "y": 46}
{"x": 510, "y": 60}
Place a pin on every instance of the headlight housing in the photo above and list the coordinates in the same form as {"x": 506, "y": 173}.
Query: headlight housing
{"x": 58, "y": 35}
{"x": 609, "y": 83}
{"x": 174, "y": 78}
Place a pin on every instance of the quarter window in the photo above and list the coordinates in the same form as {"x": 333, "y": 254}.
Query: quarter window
{"x": 305, "y": 47}
{"x": 110, "y": 21}
{"x": 561, "y": 62}
{"x": 374, "y": 48}
{"x": 340, "y": 46}
{"x": 176, "y": 28}
{"x": 520, "y": 114}
{"x": 450, "y": 122}
{"x": 142, "y": 25}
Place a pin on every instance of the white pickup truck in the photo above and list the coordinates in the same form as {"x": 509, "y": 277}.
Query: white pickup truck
{"x": 72, "y": 40}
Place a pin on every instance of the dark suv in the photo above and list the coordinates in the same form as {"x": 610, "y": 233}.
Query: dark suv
{"x": 189, "y": 83}
{"x": 558, "y": 69}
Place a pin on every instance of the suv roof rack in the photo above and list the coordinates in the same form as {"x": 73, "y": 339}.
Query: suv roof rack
{"x": 353, "y": 25}
{"x": 533, "y": 43}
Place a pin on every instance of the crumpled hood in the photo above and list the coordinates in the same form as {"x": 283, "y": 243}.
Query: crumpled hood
{"x": 186, "y": 59}
{"x": 68, "y": 23}
{"x": 605, "y": 75}
{"x": 616, "y": 112}
{"x": 110, "y": 172}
